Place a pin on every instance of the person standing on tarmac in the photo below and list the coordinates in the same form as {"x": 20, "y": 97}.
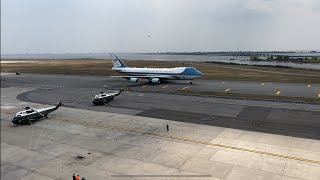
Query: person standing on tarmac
{"x": 78, "y": 177}
{"x": 167, "y": 127}
{"x": 74, "y": 177}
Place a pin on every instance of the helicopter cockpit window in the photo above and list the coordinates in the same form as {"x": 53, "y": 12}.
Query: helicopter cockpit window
{"x": 30, "y": 111}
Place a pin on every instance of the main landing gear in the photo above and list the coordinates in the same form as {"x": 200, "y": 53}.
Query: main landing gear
{"x": 28, "y": 121}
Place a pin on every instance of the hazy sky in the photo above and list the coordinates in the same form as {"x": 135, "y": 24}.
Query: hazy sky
{"x": 82, "y": 26}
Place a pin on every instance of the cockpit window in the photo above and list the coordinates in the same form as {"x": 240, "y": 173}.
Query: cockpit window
{"x": 29, "y": 111}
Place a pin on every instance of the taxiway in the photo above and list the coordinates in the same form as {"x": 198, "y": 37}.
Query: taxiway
{"x": 209, "y": 138}
{"x": 293, "y": 119}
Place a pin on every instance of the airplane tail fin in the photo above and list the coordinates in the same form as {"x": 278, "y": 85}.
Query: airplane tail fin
{"x": 58, "y": 105}
{"x": 117, "y": 63}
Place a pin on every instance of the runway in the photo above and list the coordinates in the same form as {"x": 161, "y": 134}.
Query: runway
{"x": 121, "y": 141}
{"x": 293, "y": 119}
{"x": 306, "y": 90}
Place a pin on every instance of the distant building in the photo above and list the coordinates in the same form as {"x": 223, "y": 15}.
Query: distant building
{"x": 254, "y": 57}
{"x": 258, "y": 57}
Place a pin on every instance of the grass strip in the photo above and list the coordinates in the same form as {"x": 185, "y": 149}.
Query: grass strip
{"x": 211, "y": 71}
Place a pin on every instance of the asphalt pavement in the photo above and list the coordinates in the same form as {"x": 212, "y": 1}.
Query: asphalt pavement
{"x": 241, "y": 87}
{"x": 148, "y": 100}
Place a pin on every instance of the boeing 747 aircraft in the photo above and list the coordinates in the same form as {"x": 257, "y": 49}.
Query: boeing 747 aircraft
{"x": 154, "y": 75}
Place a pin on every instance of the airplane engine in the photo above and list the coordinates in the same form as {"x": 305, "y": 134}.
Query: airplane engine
{"x": 134, "y": 80}
{"x": 155, "y": 80}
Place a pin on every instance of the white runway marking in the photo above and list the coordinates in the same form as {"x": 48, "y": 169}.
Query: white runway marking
{"x": 278, "y": 92}
{"x": 35, "y": 85}
{"x": 227, "y": 90}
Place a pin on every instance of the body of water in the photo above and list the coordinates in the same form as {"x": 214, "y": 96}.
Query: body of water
{"x": 216, "y": 58}
{"x": 174, "y": 57}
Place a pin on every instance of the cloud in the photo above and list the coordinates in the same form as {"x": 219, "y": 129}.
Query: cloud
{"x": 264, "y": 6}
{"x": 37, "y": 26}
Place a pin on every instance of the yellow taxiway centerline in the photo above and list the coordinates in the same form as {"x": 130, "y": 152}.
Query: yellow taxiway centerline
{"x": 278, "y": 92}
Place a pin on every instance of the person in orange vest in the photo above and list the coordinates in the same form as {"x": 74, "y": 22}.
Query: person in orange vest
{"x": 78, "y": 177}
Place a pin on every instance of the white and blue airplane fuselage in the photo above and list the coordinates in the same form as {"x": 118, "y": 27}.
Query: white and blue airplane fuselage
{"x": 154, "y": 75}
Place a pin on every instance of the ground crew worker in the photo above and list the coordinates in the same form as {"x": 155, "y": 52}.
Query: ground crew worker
{"x": 167, "y": 127}
{"x": 74, "y": 177}
{"x": 78, "y": 177}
